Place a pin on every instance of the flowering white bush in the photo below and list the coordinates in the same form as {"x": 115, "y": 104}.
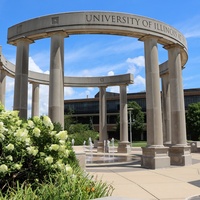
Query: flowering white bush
{"x": 31, "y": 149}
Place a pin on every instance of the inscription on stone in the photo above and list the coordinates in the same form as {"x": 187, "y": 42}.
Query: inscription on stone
{"x": 137, "y": 22}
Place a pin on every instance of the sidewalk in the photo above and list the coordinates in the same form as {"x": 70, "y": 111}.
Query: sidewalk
{"x": 133, "y": 182}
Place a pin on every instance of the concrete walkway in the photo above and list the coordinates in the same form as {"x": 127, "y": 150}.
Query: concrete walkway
{"x": 133, "y": 182}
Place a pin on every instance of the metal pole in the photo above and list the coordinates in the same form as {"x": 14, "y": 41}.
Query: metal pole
{"x": 130, "y": 127}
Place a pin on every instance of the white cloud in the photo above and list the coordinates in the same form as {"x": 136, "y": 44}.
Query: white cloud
{"x": 42, "y": 57}
{"x": 68, "y": 92}
{"x": 138, "y": 86}
{"x": 111, "y": 73}
{"x": 44, "y": 99}
{"x": 139, "y": 61}
{"x": 9, "y": 84}
{"x": 33, "y": 66}
{"x": 139, "y": 80}
{"x": 114, "y": 89}
{"x": 132, "y": 69}
{"x": 101, "y": 70}
{"x": 135, "y": 65}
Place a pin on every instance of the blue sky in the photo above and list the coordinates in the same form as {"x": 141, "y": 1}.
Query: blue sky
{"x": 101, "y": 55}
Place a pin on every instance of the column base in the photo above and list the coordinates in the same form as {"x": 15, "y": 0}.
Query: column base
{"x": 180, "y": 155}
{"x": 124, "y": 147}
{"x": 101, "y": 148}
{"x": 155, "y": 157}
{"x": 168, "y": 144}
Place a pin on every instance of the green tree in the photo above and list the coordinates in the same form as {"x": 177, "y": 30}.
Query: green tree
{"x": 193, "y": 121}
{"x": 68, "y": 120}
{"x": 137, "y": 117}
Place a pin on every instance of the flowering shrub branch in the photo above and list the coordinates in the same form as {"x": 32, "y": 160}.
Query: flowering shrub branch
{"x": 31, "y": 149}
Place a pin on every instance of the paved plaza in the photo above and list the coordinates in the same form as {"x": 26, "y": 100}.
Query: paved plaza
{"x": 133, "y": 182}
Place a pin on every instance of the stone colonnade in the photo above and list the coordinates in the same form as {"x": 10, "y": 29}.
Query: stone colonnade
{"x": 166, "y": 129}
{"x": 56, "y": 91}
{"x": 124, "y": 144}
{"x": 166, "y": 132}
{"x": 174, "y": 110}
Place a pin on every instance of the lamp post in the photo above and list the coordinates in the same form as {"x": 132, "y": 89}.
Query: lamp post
{"x": 130, "y": 122}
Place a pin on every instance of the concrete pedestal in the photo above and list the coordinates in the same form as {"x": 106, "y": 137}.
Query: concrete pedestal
{"x": 155, "y": 157}
{"x": 100, "y": 147}
{"x": 124, "y": 147}
{"x": 180, "y": 156}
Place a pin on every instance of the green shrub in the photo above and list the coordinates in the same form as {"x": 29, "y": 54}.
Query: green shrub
{"x": 78, "y": 128}
{"x": 31, "y": 149}
{"x": 80, "y": 137}
{"x": 77, "y": 186}
{"x": 38, "y": 162}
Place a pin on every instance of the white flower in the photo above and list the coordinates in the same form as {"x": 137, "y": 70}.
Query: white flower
{"x": 60, "y": 165}
{"x": 2, "y": 128}
{"x": 2, "y": 137}
{"x": 49, "y": 159}
{"x": 47, "y": 122}
{"x": 67, "y": 153}
{"x": 32, "y": 150}
{"x": 36, "y": 119}
{"x": 54, "y": 147}
{"x": 52, "y": 133}
{"x": 10, "y": 147}
{"x": 21, "y": 134}
{"x": 62, "y": 148}
{"x": 28, "y": 140}
{"x": 14, "y": 113}
{"x": 62, "y": 141}
{"x": 17, "y": 166}
{"x": 62, "y": 135}
{"x": 30, "y": 123}
{"x": 3, "y": 168}
{"x": 18, "y": 123}
{"x": 36, "y": 132}
{"x": 68, "y": 169}
{"x": 9, "y": 158}
{"x": 42, "y": 154}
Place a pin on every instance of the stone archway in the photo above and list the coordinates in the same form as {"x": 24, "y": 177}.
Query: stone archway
{"x": 151, "y": 32}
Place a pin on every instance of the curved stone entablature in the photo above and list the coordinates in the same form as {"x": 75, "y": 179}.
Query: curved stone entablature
{"x": 41, "y": 78}
{"x": 99, "y": 23}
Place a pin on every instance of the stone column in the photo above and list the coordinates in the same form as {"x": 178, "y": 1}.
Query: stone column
{"x": 166, "y": 110}
{"x": 155, "y": 155}
{"x": 179, "y": 151}
{"x": 21, "y": 78}
{"x": 35, "y": 99}
{"x": 124, "y": 144}
{"x": 103, "y": 136}
{"x": 2, "y": 86}
{"x": 56, "y": 83}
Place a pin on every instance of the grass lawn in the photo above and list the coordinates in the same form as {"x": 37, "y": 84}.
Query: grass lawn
{"x": 139, "y": 143}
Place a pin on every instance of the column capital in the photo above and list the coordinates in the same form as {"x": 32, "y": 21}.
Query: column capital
{"x": 63, "y": 33}
{"x": 148, "y": 36}
{"x": 102, "y": 87}
{"x": 171, "y": 46}
{"x": 24, "y": 39}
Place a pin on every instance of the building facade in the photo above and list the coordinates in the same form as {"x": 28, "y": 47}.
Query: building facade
{"x": 86, "y": 110}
